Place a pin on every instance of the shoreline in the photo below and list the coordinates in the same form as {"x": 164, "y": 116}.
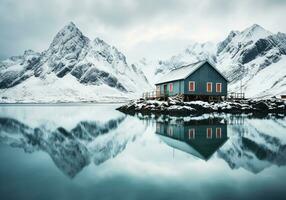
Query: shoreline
{"x": 175, "y": 107}
{"x": 57, "y": 103}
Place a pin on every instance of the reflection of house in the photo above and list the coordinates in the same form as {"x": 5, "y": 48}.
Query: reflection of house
{"x": 200, "y": 138}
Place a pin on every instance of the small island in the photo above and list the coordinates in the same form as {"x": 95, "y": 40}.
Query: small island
{"x": 199, "y": 88}
{"x": 176, "y": 107}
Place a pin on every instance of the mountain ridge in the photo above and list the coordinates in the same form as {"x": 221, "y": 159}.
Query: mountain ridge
{"x": 91, "y": 65}
{"x": 246, "y": 57}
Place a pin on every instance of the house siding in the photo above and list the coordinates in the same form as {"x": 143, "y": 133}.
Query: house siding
{"x": 178, "y": 87}
{"x": 201, "y": 76}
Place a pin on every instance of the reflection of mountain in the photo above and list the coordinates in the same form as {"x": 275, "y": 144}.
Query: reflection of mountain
{"x": 256, "y": 146}
{"x": 201, "y": 138}
{"x": 70, "y": 150}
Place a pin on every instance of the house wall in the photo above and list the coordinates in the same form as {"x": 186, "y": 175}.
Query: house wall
{"x": 204, "y": 146}
{"x": 201, "y": 131}
{"x": 178, "y": 87}
{"x": 201, "y": 76}
{"x": 181, "y": 131}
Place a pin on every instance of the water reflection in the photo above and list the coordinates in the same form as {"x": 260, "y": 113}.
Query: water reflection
{"x": 70, "y": 150}
{"x": 201, "y": 138}
{"x": 93, "y": 136}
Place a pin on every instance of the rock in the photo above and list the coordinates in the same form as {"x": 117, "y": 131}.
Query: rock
{"x": 261, "y": 106}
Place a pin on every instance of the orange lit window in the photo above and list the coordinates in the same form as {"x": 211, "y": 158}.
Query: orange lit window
{"x": 209, "y": 86}
{"x": 192, "y": 133}
{"x": 192, "y": 86}
{"x": 209, "y": 132}
{"x": 218, "y": 87}
{"x": 218, "y": 132}
{"x": 171, "y": 87}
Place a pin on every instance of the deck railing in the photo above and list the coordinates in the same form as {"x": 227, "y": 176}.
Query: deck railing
{"x": 158, "y": 94}
{"x": 236, "y": 96}
{"x": 154, "y": 95}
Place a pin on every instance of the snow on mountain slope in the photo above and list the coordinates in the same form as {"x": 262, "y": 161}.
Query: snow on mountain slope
{"x": 254, "y": 57}
{"x": 193, "y": 53}
{"x": 73, "y": 68}
{"x": 270, "y": 81}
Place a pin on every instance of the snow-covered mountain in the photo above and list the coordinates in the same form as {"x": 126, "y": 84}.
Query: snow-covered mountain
{"x": 73, "y": 68}
{"x": 254, "y": 57}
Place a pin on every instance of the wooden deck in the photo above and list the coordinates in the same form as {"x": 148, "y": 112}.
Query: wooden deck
{"x": 157, "y": 95}
{"x": 154, "y": 95}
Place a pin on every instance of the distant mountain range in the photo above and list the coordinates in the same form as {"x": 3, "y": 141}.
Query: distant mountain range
{"x": 73, "y": 68}
{"x": 254, "y": 58}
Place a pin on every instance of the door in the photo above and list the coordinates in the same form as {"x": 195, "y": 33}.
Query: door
{"x": 165, "y": 90}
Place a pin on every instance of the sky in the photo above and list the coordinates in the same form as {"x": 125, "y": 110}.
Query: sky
{"x": 154, "y": 29}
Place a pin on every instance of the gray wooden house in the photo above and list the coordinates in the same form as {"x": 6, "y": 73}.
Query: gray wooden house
{"x": 201, "y": 138}
{"x": 196, "y": 81}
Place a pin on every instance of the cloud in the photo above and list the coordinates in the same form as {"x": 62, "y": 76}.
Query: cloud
{"x": 134, "y": 26}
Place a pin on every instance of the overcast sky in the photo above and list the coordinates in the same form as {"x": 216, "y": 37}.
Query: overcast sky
{"x": 139, "y": 28}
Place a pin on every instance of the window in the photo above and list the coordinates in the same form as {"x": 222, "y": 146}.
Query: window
{"x": 218, "y": 132}
{"x": 209, "y": 133}
{"x": 171, "y": 87}
{"x": 192, "y": 133}
{"x": 192, "y": 86}
{"x": 170, "y": 131}
{"x": 218, "y": 87}
{"x": 158, "y": 127}
{"x": 209, "y": 86}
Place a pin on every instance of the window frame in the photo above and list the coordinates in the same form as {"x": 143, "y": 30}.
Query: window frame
{"x": 193, "y": 133}
{"x": 216, "y": 132}
{"x": 220, "y": 87}
{"x": 194, "y": 86}
{"x": 170, "y": 131}
{"x": 170, "y": 87}
{"x": 211, "y": 133}
{"x": 211, "y": 83}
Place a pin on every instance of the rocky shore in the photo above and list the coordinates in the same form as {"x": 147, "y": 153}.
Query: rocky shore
{"x": 174, "y": 106}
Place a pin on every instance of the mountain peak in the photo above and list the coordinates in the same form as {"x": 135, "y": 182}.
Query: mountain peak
{"x": 71, "y": 24}
{"x": 256, "y": 30}
{"x": 67, "y": 33}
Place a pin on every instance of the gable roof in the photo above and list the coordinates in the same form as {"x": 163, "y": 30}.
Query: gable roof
{"x": 185, "y": 71}
{"x": 201, "y": 151}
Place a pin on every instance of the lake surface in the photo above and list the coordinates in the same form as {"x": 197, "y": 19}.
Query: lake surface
{"x": 92, "y": 151}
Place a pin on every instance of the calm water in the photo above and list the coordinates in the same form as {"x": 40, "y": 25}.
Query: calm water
{"x": 95, "y": 152}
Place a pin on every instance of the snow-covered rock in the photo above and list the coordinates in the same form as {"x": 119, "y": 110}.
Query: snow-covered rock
{"x": 88, "y": 67}
{"x": 179, "y": 108}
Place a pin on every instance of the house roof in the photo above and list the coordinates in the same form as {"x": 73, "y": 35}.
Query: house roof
{"x": 185, "y": 71}
{"x": 201, "y": 151}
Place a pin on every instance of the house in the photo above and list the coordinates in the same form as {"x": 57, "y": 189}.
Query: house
{"x": 200, "y": 138}
{"x": 196, "y": 81}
